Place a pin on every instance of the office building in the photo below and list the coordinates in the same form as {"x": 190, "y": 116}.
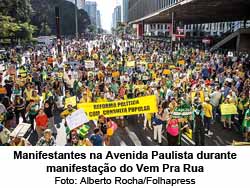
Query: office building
{"x": 91, "y": 9}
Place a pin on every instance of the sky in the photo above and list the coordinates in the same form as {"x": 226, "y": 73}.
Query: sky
{"x": 106, "y": 8}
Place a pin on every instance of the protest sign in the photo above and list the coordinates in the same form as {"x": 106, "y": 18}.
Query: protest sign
{"x": 228, "y": 109}
{"x": 182, "y": 111}
{"x": 20, "y": 130}
{"x": 120, "y": 108}
{"x": 89, "y": 64}
{"x": 76, "y": 119}
{"x": 70, "y": 100}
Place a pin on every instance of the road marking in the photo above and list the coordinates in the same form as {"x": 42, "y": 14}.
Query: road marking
{"x": 188, "y": 139}
{"x": 149, "y": 138}
{"x": 133, "y": 137}
{"x": 121, "y": 142}
{"x": 216, "y": 142}
{"x": 164, "y": 138}
{"x": 220, "y": 140}
{"x": 183, "y": 140}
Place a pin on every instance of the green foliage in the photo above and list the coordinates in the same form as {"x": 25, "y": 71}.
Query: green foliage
{"x": 20, "y": 19}
{"x": 25, "y": 31}
{"x": 45, "y": 29}
{"x": 8, "y": 28}
{"x": 92, "y": 28}
{"x": 18, "y": 9}
{"x": 14, "y": 19}
{"x": 122, "y": 29}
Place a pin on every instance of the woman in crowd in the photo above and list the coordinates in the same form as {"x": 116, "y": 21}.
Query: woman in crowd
{"x": 41, "y": 122}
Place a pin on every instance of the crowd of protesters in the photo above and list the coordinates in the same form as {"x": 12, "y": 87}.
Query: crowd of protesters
{"x": 36, "y": 82}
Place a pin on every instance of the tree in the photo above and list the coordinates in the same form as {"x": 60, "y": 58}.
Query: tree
{"x": 25, "y": 31}
{"x": 18, "y": 9}
{"x": 122, "y": 29}
{"x": 8, "y": 27}
{"x": 15, "y": 18}
{"x": 92, "y": 28}
{"x": 45, "y": 29}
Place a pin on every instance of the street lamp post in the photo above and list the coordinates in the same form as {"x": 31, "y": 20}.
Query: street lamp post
{"x": 76, "y": 19}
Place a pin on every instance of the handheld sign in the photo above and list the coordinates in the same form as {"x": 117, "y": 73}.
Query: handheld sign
{"x": 70, "y": 100}
{"x": 76, "y": 119}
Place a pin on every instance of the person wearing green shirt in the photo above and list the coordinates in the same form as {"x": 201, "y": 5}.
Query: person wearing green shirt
{"x": 169, "y": 83}
{"x": 246, "y": 124}
{"x": 114, "y": 87}
{"x": 32, "y": 110}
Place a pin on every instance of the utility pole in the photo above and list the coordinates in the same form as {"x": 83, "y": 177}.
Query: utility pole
{"x": 76, "y": 19}
{"x": 172, "y": 32}
{"x": 58, "y": 30}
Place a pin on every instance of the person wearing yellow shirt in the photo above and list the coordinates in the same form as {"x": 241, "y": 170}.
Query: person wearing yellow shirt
{"x": 68, "y": 111}
{"x": 208, "y": 115}
{"x": 85, "y": 98}
{"x": 102, "y": 98}
{"x": 35, "y": 97}
{"x": 148, "y": 118}
{"x": 28, "y": 93}
{"x": 20, "y": 81}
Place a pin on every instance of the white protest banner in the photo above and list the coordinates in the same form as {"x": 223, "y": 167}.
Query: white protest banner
{"x": 76, "y": 119}
{"x": 20, "y": 130}
{"x": 89, "y": 64}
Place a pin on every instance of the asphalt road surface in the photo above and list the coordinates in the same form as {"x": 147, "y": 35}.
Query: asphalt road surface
{"x": 133, "y": 134}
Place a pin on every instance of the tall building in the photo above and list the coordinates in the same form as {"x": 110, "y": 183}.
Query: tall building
{"x": 91, "y": 8}
{"x": 98, "y": 19}
{"x": 80, "y": 3}
{"x": 116, "y": 17}
{"x": 113, "y": 20}
{"x": 125, "y": 11}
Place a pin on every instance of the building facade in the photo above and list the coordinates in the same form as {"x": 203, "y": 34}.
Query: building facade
{"x": 116, "y": 16}
{"x": 140, "y": 8}
{"x": 125, "y": 11}
{"x": 80, "y": 3}
{"x": 98, "y": 19}
{"x": 91, "y": 9}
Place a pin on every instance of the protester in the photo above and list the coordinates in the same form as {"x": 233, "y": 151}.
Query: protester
{"x": 19, "y": 104}
{"x": 199, "y": 127}
{"x": 208, "y": 115}
{"x": 47, "y": 139}
{"x": 4, "y": 136}
{"x": 172, "y": 130}
{"x": 32, "y": 110}
{"x": 110, "y": 69}
{"x": 19, "y": 141}
{"x": 246, "y": 124}
{"x": 96, "y": 138}
{"x": 41, "y": 122}
{"x": 158, "y": 121}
